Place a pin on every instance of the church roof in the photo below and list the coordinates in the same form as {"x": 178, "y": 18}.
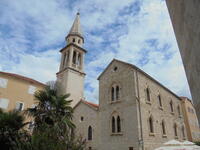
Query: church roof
{"x": 90, "y": 104}
{"x": 76, "y": 27}
{"x": 141, "y": 71}
{"x": 21, "y": 77}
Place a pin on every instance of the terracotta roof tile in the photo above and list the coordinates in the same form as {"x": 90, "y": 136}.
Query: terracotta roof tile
{"x": 91, "y": 104}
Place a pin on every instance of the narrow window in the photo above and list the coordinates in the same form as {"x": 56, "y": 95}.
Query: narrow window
{"x": 64, "y": 57}
{"x": 112, "y": 94}
{"x": 183, "y": 131}
{"x": 73, "y": 40}
{"x": 79, "y": 41}
{"x": 117, "y": 92}
{"x": 175, "y": 130}
{"x": 159, "y": 100}
{"x": 148, "y": 95}
{"x": 74, "y": 58}
{"x": 163, "y": 128}
{"x": 82, "y": 118}
{"x": 151, "y": 125}
{"x": 171, "y": 106}
{"x": 89, "y": 133}
{"x": 113, "y": 124}
{"x": 179, "y": 110}
{"x": 79, "y": 59}
{"x": 118, "y": 124}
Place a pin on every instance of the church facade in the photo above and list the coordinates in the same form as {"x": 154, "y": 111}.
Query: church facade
{"x": 135, "y": 111}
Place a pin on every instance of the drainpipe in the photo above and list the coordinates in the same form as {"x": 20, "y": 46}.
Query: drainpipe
{"x": 140, "y": 114}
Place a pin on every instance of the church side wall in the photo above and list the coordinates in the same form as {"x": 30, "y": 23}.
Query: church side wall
{"x": 83, "y": 117}
{"x": 152, "y": 141}
{"x": 125, "y": 107}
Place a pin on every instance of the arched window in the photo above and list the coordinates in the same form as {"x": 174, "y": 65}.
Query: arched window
{"x": 79, "y": 41}
{"x": 79, "y": 59}
{"x": 151, "y": 129}
{"x": 171, "y": 106}
{"x": 74, "y": 58}
{"x": 118, "y": 124}
{"x": 113, "y": 124}
{"x": 179, "y": 110}
{"x": 74, "y": 40}
{"x": 113, "y": 94}
{"x": 148, "y": 94}
{"x": 175, "y": 130}
{"x": 183, "y": 131}
{"x": 159, "y": 100}
{"x": 163, "y": 128}
{"x": 117, "y": 92}
{"x": 64, "y": 57}
{"x": 89, "y": 133}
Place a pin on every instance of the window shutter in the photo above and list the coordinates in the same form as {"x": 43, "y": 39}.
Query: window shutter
{"x": 3, "y": 83}
{"x": 4, "y": 103}
{"x": 31, "y": 89}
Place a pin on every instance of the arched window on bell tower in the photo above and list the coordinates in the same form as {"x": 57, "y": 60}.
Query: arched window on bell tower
{"x": 79, "y": 60}
{"x": 74, "y": 58}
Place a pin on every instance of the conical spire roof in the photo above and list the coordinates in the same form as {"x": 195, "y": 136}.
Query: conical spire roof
{"x": 76, "y": 27}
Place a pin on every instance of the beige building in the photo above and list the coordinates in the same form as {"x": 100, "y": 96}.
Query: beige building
{"x": 16, "y": 91}
{"x": 185, "y": 16}
{"x": 191, "y": 121}
{"x": 135, "y": 111}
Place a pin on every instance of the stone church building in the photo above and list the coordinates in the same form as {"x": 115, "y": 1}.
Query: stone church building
{"x": 135, "y": 111}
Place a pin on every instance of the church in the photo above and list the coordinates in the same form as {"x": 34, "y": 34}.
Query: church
{"x": 135, "y": 112}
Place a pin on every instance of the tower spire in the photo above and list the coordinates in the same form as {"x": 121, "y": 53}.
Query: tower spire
{"x": 76, "y": 27}
{"x": 75, "y": 34}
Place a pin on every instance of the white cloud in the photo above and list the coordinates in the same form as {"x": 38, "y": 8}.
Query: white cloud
{"x": 32, "y": 29}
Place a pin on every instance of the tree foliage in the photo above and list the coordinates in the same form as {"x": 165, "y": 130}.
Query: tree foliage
{"x": 11, "y": 129}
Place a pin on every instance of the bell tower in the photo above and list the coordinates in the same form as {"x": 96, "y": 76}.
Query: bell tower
{"x": 70, "y": 77}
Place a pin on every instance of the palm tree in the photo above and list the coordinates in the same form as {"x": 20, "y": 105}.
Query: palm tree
{"x": 11, "y": 128}
{"x": 53, "y": 122}
{"x": 51, "y": 108}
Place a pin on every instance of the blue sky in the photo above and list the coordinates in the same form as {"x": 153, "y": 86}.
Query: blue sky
{"x": 136, "y": 31}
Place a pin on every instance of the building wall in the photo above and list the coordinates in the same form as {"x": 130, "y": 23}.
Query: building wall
{"x": 125, "y": 107}
{"x": 17, "y": 90}
{"x": 186, "y": 22}
{"x": 191, "y": 121}
{"x": 152, "y": 141}
{"x": 90, "y": 118}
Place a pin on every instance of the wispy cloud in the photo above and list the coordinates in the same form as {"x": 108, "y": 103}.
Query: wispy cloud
{"x": 136, "y": 31}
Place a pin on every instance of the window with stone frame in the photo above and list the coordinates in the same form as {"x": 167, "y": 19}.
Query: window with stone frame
{"x": 148, "y": 97}
{"x": 115, "y": 93}
{"x": 74, "y": 58}
{"x": 113, "y": 124}
{"x": 179, "y": 110}
{"x": 118, "y": 124}
{"x": 151, "y": 124}
{"x": 171, "y": 106}
{"x": 163, "y": 127}
{"x": 175, "y": 130}
{"x": 160, "y": 100}
{"x": 89, "y": 133}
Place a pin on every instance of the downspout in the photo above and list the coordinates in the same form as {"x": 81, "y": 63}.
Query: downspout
{"x": 140, "y": 114}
